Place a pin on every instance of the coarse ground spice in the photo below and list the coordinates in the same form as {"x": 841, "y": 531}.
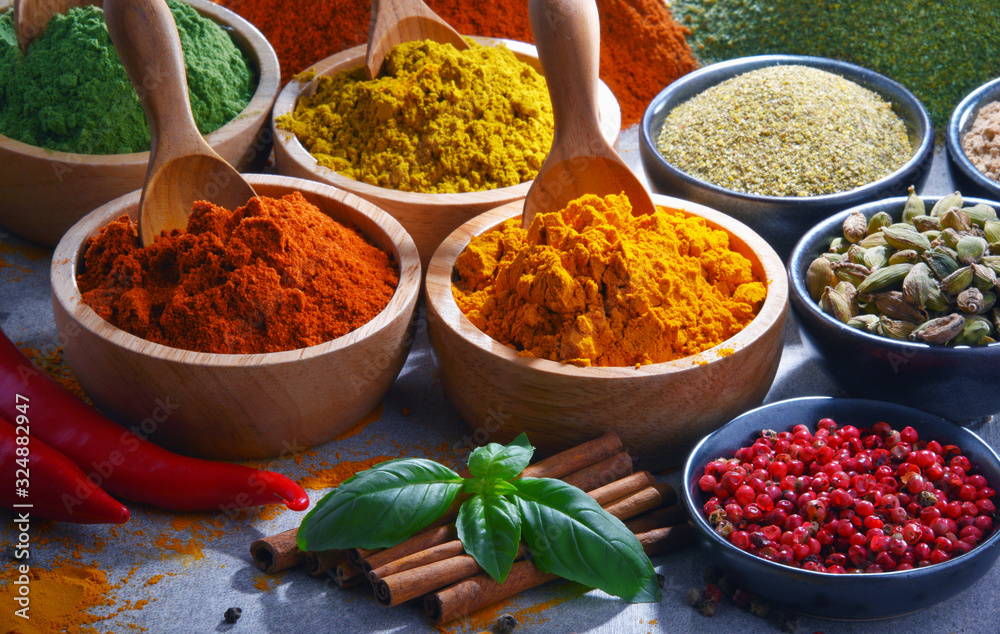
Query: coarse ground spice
{"x": 273, "y": 275}
{"x": 642, "y": 48}
{"x": 70, "y": 91}
{"x": 982, "y": 143}
{"x": 941, "y": 51}
{"x": 786, "y": 131}
{"x": 437, "y": 120}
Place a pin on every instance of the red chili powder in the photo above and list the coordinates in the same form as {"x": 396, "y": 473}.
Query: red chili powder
{"x": 273, "y": 275}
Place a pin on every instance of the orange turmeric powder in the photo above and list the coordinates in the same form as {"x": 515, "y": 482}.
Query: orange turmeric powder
{"x": 594, "y": 285}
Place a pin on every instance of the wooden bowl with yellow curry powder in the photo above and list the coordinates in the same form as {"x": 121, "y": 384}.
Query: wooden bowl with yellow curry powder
{"x": 611, "y": 382}
{"x": 428, "y": 217}
{"x": 43, "y": 192}
{"x": 241, "y": 406}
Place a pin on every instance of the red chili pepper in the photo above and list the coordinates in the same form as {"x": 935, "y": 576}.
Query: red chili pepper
{"x": 53, "y": 486}
{"x": 126, "y": 464}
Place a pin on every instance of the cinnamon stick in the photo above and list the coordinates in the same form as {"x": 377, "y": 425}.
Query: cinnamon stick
{"x": 663, "y": 516}
{"x": 318, "y": 562}
{"x": 277, "y": 552}
{"x": 571, "y": 461}
{"x": 465, "y": 597}
{"x": 435, "y": 552}
{"x": 649, "y": 498}
{"x": 604, "y": 472}
{"x": 346, "y": 574}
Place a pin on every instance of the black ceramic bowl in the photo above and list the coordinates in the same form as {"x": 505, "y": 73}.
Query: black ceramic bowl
{"x": 963, "y": 172}
{"x": 844, "y": 596}
{"x": 782, "y": 220}
{"x": 957, "y": 382}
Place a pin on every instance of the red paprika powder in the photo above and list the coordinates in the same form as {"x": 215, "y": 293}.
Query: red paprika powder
{"x": 642, "y": 48}
{"x": 273, "y": 275}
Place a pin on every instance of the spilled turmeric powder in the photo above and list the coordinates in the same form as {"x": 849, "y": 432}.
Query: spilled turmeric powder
{"x": 594, "y": 285}
{"x": 438, "y": 120}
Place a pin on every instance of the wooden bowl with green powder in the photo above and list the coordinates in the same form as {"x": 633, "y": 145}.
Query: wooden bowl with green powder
{"x": 780, "y": 142}
{"x": 87, "y": 142}
{"x": 694, "y": 286}
{"x": 247, "y": 405}
{"x": 432, "y": 185}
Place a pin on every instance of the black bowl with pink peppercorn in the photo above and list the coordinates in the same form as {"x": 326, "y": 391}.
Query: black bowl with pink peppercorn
{"x": 846, "y": 509}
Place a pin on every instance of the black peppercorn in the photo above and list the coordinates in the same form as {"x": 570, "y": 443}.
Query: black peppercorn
{"x": 232, "y": 615}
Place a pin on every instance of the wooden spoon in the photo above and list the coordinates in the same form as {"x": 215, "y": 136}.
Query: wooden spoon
{"x": 397, "y": 21}
{"x": 32, "y": 16}
{"x": 183, "y": 167}
{"x": 567, "y": 36}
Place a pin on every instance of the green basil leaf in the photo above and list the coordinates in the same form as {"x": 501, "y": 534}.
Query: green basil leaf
{"x": 381, "y": 506}
{"x": 495, "y": 461}
{"x": 490, "y": 530}
{"x": 570, "y": 535}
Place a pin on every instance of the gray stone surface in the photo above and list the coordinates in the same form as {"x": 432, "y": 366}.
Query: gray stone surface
{"x": 204, "y": 558}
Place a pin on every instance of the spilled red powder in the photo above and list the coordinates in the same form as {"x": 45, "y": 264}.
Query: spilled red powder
{"x": 369, "y": 418}
{"x": 273, "y": 275}
{"x": 333, "y": 476}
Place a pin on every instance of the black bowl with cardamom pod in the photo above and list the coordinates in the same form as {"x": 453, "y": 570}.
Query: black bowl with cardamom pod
{"x": 981, "y": 144}
{"x": 845, "y": 597}
{"x": 906, "y": 311}
{"x": 782, "y": 219}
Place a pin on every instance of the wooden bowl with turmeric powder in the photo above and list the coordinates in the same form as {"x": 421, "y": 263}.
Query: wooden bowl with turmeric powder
{"x": 659, "y": 408}
{"x": 428, "y": 217}
{"x": 242, "y": 406}
{"x": 43, "y": 192}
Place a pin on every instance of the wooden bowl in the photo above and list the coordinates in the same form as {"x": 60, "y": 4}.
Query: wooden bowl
{"x": 46, "y": 192}
{"x": 429, "y": 218}
{"x": 239, "y": 406}
{"x": 659, "y": 410}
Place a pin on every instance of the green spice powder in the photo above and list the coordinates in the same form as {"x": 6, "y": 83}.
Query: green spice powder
{"x": 786, "y": 131}
{"x": 939, "y": 50}
{"x": 70, "y": 91}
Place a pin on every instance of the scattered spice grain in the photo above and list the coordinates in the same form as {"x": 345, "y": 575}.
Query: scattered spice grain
{"x": 788, "y": 130}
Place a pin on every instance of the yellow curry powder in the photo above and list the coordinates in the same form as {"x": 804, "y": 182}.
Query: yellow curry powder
{"x": 594, "y": 285}
{"x": 438, "y": 120}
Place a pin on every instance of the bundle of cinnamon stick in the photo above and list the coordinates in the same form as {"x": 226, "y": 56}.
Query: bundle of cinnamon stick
{"x": 433, "y": 565}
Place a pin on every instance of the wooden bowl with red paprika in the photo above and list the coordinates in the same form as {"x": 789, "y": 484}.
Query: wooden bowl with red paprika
{"x": 247, "y": 405}
{"x": 428, "y": 217}
{"x": 44, "y": 192}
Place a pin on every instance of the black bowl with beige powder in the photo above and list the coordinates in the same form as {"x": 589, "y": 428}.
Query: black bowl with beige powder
{"x": 973, "y": 142}
{"x": 780, "y": 163}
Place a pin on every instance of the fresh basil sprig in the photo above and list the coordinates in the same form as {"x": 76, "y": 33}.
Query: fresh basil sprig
{"x": 567, "y": 531}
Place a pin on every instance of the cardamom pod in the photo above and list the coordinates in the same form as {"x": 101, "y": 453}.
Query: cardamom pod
{"x": 819, "y": 275}
{"x": 991, "y": 229}
{"x": 837, "y": 305}
{"x": 950, "y": 238}
{"x": 850, "y": 272}
{"x": 973, "y": 332}
{"x": 983, "y": 277}
{"x": 914, "y": 205}
{"x": 957, "y": 281}
{"x": 877, "y": 257}
{"x": 940, "y": 261}
{"x": 879, "y": 220}
{"x": 992, "y": 261}
{"x": 874, "y": 240}
{"x": 838, "y": 245}
{"x": 946, "y": 202}
{"x": 895, "y": 328}
{"x": 850, "y": 294}
{"x": 905, "y": 237}
{"x": 989, "y": 301}
{"x": 970, "y": 248}
{"x": 940, "y": 330}
{"x": 906, "y": 256}
{"x": 955, "y": 218}
{"x": 855, "y": 227}
{"x": 970, "y": 300}
{"x": 937, "y": 301}
{"x": 883, "y": 278}
{"x": 856, "y": 254}
{"x": 892, "y": 304}
{"x": 926, "y": 223}
{"x": 918, "y": 285}
{"x": 868, "y": 323}
{"x": 981, "y": 213}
